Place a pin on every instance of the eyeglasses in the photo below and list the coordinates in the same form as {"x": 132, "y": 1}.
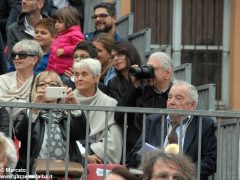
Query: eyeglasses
{"x": 50, "y": 84}
{"x": 101, "y": 16}
{"x": 22, "y": 54}
{"x": 77, "y": 57}
{"x": 117, "y": 56}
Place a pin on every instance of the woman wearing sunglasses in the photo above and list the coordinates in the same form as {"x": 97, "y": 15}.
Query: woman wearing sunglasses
{"x": 15, "y": 86}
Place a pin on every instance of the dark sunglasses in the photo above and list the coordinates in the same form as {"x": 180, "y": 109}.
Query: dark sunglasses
{"x": 22, "y": 54}
{"x": 101, "y": 16}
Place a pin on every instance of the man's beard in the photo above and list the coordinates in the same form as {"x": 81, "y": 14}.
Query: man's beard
{"x": 106, "y": 29}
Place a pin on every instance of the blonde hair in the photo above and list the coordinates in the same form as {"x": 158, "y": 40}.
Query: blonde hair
{"x": 41, "y": 77}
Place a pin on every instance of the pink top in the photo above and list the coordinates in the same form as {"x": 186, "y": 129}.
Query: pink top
{"x": 66, "y": 40}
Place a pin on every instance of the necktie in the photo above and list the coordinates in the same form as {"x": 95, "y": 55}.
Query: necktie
{"x": 172, "y": 137}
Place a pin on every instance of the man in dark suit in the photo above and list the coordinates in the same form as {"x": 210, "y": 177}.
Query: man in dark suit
{"x": 182, "y": 96}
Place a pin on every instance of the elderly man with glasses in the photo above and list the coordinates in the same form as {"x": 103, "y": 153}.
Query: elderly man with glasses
{"x": 182, "y": 96}
{"x": 15, "y": 86}
{"x": 104, "y": 19}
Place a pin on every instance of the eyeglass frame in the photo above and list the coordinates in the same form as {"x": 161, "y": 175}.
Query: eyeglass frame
{"x": 47, "y": 84}
{"x": 22, "y": 54}
{"x": 118, "y": 56}
{"x": 101, "y": 16}
{"x": 75, "y": 56}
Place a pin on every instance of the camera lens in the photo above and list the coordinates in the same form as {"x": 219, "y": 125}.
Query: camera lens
{"x": 142, "y": 72}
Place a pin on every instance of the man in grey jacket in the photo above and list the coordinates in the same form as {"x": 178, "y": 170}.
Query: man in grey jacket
{"x": 24, "y": 27}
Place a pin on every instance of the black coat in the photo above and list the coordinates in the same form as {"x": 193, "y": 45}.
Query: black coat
{"x": 4, "y": 121}
{"x": 134, "y": 97}
{"x": 190, "y": 148}
{"x": 77, "y": 132}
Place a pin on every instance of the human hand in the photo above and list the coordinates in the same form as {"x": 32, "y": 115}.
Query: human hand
{"x": 94, "y": 159}
{"x": 69, "y": 72}
{"x": 60, "y": 52}
{"x": 136, "y": 82}
{"x": 40, "y": 96}
{"x": 70, "y": 98}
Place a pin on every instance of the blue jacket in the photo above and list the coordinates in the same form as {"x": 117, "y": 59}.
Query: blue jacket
{"x": 42, "y": 64}
{"x": 89, "y": 36}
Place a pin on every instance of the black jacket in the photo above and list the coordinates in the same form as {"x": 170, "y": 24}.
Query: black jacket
{"x": 77, "y": 132}
{"x": 4, "y": 121}
{"x": 118, "y": 87}
{"x": 143, "y": 97}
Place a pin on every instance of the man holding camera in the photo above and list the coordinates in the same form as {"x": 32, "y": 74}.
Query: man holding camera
{"x": 152, "y": 83}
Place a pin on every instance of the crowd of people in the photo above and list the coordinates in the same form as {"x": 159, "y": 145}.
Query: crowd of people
{"x": 42, "y": 46}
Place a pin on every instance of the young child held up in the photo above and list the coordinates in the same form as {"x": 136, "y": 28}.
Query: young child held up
{"x": 67, "y": 25}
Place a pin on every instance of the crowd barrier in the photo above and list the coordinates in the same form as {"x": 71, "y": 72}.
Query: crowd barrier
{"x": 227, "y": 125}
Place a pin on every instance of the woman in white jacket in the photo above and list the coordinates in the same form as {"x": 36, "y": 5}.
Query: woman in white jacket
{"x": 87, "y": 74}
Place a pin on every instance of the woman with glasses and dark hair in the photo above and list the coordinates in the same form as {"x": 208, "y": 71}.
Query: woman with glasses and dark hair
{"x": 124, "y": 55}
{"x": 15, "y": 86}
{"x": 51, "y": 140}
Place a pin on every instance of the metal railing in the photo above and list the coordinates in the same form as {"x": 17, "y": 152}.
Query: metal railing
{"x": 142, "y": 41}
{"x": 124, "y": 25}
{"x": 227, "y": 124}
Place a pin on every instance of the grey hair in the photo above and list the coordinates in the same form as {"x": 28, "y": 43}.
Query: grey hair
{"x": 92, "y": 64}
{"x": 184, "y": 164}
{"x": 165, "y": 61}
{"x": 10, "y": 151}
{"x": 29, "y": 45}
{"x": 192, "y": 89}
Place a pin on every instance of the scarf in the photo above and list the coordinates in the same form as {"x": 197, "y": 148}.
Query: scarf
{"x": 57, "y": 144}
{"x": 9, "y": 91}
{"x": 97, "y": 118}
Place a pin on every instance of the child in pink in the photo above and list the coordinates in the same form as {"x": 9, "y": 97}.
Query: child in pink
{"x": 67, "y": 24}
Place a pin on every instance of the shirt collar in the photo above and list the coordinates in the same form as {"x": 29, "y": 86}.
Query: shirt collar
{"x": 164, "y": 91}
{"x": 29, "y": 29}
{"x": 169, "y": 121}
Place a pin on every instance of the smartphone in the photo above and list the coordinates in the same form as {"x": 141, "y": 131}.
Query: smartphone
{"x": 56, "y": 92}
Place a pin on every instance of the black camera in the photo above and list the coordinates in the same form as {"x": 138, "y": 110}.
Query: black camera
{"x": 142, "y": 72}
